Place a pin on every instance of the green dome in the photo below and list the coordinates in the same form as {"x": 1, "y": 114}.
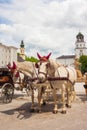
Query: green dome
{"x": 80, "y": 35}
{"x": 22, "y": 44}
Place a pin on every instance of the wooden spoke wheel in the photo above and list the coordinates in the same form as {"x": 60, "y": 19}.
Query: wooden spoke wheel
{"x": 7, "y": 93}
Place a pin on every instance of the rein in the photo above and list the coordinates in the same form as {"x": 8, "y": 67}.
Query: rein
{"x": 58, "y": 78}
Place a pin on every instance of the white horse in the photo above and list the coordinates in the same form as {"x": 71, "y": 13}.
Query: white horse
{"x": 24, "y": 74}
{"x": 66, "y": 77}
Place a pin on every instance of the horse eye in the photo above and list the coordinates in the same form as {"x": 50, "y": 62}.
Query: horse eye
{"x": 47, "y": 65}
{"x": 36, "y": 65}
{"x": 40, "y": 63}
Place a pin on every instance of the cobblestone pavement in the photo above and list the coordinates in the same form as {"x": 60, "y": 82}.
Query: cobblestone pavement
{"x": 16, "y": 115}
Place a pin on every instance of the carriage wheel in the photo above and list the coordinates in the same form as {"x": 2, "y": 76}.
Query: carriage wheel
{"x": 7, "y": 93}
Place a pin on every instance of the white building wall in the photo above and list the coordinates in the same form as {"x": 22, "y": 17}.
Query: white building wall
{"x": 13, "y": 55}
{"x": 66, "y": 62}
{"x": 1, "y": 54}
{"x": 7, "y": 54}
{"x": 79, "y": 52}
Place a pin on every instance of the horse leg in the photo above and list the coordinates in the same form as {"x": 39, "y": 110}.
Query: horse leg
{"x": 68, "y": 91}
{"x": 55, "y": 110}
{"x": 32, "y": 98}
{"x": 44, "y": 95}
{"x": 39, "y": 99}
{"x": 63, "y": 99}
{"x": 73, "y": 93}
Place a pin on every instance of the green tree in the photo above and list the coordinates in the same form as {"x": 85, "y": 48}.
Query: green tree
{"x": 83, "y": 61}
{"x": 31, "y": 59}
{"x": 18, "y": 53}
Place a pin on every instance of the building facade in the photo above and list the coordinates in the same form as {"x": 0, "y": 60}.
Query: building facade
{"x": 8, "y": 54}
{"x": 66, "y": 60}
{"x": 80, "y": 49}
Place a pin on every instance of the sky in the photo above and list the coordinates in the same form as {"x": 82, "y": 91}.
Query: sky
{"x": 44, "y": 25}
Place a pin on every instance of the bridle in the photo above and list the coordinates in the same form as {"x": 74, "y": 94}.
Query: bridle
{"x": 40, "y": 72}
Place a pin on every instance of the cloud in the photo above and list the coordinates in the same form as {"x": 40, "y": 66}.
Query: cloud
{"x": 5, "y": 1}
{"x": 44, "y": 25}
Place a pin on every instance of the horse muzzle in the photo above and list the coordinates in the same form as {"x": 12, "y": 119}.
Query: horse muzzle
{"x": 41, "y": 78}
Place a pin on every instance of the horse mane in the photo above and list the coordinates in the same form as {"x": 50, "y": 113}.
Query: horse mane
{"x": 54, "y": 63}
{"x": 26, "y": 67}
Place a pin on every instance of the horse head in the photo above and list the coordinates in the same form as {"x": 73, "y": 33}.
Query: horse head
{"x": 13, "y": 69}
{"x": 43, "y": 66}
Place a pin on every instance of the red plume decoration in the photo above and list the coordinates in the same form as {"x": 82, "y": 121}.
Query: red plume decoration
{"x": 39, "y": 55}
{"x": 14, "y": 65}
{"x": 9, "y": 66}
{"x": 48, "y": 56}
{"x": 44, "y": 58}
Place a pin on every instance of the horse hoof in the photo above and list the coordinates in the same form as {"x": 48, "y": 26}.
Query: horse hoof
{"x": 38, "y": 111}
{"x": 64, "y": 112}
{"x": 55, "y": 111}
{"x": 44, "y": 103}
{"x": 32, "y": 110}
{"x": 68, "y": 106}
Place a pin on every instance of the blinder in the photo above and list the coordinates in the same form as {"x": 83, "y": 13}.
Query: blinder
{"x": 36, "y": 65}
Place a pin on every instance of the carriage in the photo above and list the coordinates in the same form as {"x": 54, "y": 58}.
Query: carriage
{"x": 6, "y": 85}
{"x": 9, "y": 83}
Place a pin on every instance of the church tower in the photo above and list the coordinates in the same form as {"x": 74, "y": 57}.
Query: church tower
{"x": 22, "y": 50}
{"x": 80, "y": 48}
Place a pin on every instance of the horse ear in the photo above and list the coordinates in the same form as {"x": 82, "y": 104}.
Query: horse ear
{"x": 48, "y": 56}
{"x": 39, "y": 55}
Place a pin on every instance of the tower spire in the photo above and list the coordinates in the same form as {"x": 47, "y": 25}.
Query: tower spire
{"x": 22, "y": 49}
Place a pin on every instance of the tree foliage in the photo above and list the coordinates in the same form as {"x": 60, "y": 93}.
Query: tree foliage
{"x": 31, "y": 59}
{"x": 83, "y": 61}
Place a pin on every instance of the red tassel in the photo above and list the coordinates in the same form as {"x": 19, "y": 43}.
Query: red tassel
{"x": 17, "y": 74}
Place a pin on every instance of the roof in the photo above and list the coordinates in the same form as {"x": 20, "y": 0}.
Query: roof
{"x": 80, "y": 35}
{"x": 13, "y": 47}
{"x": 66, "y": 57}
{"x": 8, "y": 46}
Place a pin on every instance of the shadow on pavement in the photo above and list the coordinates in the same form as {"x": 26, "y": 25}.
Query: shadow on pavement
{"x": 22, "y": 112}
{"x": 83, "y": 97}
